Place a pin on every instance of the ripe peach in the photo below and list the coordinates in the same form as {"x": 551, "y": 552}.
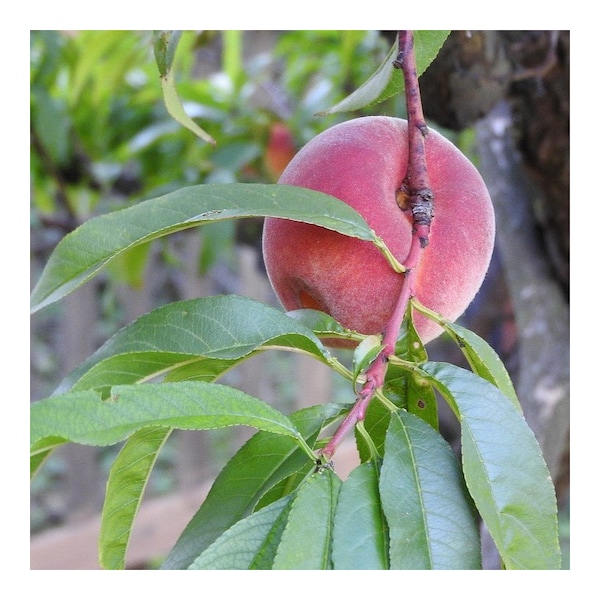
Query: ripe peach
{"x": 363, "y": 162}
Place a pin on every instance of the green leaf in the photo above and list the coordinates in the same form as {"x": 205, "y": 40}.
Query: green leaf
{"x": 430, "y": 517}
{"x": 177, "y": 111}
{"x": 83, "y": 252}
{"x": 84, "y": 418}
{"x": 130, "y": 266}
{"x": 407, "y": 389}
{"x": 259, "y": 465}
{"x": 286, "y": 486}
{"x": 192, "y": 339}
{"x": 421, "y": 400}
{"x": 37, "y": 460}
{"x": 124, "y": 491}
{"x": 360, "y": 532}
{"x": 483, "y": 360}
{"x": 387, "y": 81}
{"x": 307, "y": 538}
{"x": 251, "y": 543}
{"x": 504, "y": 469}
{"x": 165, "y": 45}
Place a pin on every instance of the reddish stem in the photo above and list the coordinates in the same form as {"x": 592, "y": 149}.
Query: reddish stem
{"x": 417, "y": 178}
{"x": 420, "y": 200}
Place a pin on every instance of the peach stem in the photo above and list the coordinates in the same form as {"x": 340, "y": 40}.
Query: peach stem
{"x": 421, "y": 203}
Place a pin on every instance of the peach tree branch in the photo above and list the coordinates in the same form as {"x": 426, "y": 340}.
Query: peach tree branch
{"x": 416, "y": 194}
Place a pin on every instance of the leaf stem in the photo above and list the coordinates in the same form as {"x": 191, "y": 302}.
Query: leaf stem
{"x": 360, "y": 426}
{"x": 392, "y": 260}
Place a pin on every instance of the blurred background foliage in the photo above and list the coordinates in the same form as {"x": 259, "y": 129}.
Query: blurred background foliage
{"x": 101, "y": 137}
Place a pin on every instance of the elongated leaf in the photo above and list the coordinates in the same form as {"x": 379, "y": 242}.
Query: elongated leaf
{"x": 84, "y": 418}
{"x": 483, "y": 360}
{"x": 421, "y": 400}
{"x": 504, "y": 469}
{"x": 251, "y": 543}
{"x": 286, "y": 486}
{"x": 124, "y": 490}
{"x": 432, "y": 524}
{"x": 307, "y": 538}
{"x": 420, "y": 397}
{"x": 176, "y": 109}
{"x": 261, "y": 463}
{"x": 165, "y": 44}
{"x": 83, "y": 252}
{"x": 360, "y": 532}
{"x": 388, "y": 81}
{"x": 203, "y": 337}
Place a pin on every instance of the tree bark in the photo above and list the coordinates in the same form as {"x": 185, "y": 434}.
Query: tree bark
{"x": 541, "y": 310}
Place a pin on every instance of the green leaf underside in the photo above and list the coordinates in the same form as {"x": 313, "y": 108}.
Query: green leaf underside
{"x": 260, "y": 464}
{"x": 503, "y": 468}
{"x": 251, "y": 543}
{"x": 124, "y": 491}
{"x": 198, "y": 339}
{"x": 175, "y": 108}
{"x": 86, "y": 250}
{"x": 388, "y": 81}
{"x": 307, "y": 538}
{"x": 360, "y": 533}
{"x": 431, "y": 521}
{"x": 84, "y": 418}
{"x": 165, "y": 45}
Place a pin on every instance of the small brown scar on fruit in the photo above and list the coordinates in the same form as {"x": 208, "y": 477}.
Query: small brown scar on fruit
{"x": 403, "y": 197}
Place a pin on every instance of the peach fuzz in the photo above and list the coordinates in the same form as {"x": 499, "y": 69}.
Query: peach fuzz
{"x": 363, "y": 162}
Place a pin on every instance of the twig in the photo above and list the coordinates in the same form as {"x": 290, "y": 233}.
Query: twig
{"x": 417, "y": 179}
{"x": 420, "y": 201}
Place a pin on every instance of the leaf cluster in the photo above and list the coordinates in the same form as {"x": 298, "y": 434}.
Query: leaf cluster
{"x": 418, "y": 497}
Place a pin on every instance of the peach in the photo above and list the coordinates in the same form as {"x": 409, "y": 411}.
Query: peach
{"x": 363, "y": 162}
